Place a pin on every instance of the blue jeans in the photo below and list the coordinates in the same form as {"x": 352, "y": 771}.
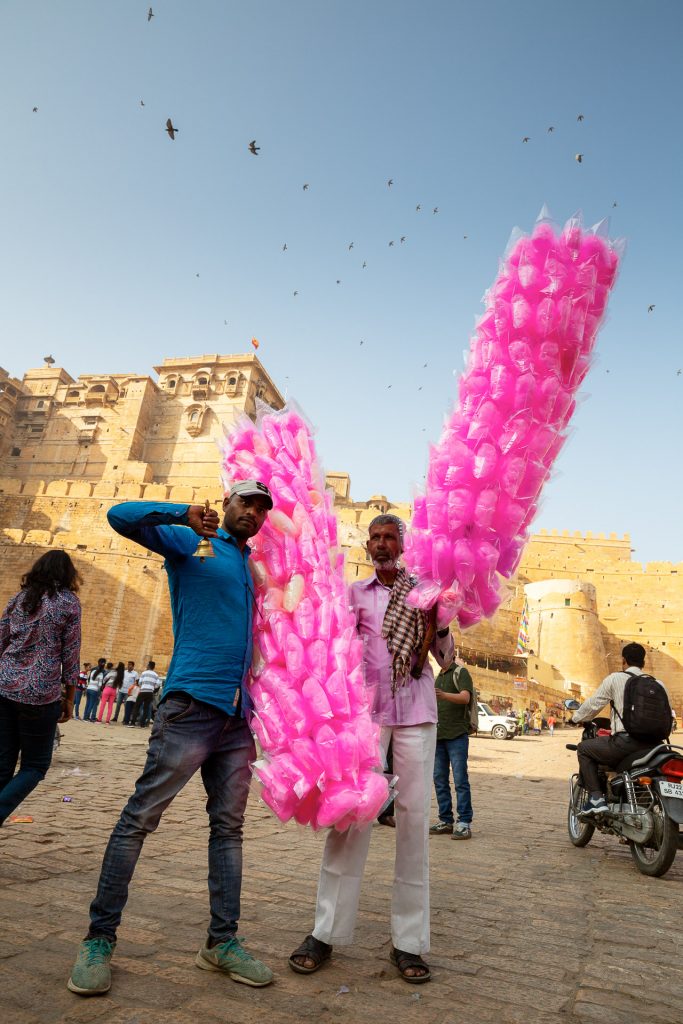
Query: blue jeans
{"x": 78, "y": 697}
{"x": 29, "y": 730}
{"x": 453, "y": 754}
{"x": 92, "y": 700}
{"x": 187, "y": 736}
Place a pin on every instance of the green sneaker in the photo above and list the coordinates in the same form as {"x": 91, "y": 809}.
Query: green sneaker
{"x": 442, "y": 828}
{"x": 232, "y": 959}
{"x": 91, "y": 974}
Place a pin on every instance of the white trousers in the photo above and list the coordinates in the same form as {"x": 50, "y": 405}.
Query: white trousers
{"x": 341, "y": 873}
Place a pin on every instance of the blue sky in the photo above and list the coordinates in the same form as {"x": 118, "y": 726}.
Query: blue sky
{"x": 106, "y": 222}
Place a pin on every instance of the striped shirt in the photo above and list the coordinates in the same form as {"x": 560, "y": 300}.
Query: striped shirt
{"x": 148, "y": 681}
{"x": 612, "y": 688}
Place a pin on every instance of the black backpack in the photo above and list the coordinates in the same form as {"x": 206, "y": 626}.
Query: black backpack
{"x": 647, "y": 712}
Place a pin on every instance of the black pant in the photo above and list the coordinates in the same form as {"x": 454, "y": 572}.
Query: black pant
{"x": 607, "y": 750}
{"x": 143, "y": 708}
{"x": 29, "y": 730}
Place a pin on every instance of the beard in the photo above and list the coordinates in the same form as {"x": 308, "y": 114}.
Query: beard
{"x": 386, "y": 564}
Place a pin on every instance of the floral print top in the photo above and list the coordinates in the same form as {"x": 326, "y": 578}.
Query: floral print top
{"x": 38, "y": 652}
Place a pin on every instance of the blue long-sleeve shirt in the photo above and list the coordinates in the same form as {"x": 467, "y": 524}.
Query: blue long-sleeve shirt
{"x": 211, "y": 602}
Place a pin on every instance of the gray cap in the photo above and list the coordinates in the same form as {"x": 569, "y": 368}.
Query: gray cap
{"x": 251, "y": 489}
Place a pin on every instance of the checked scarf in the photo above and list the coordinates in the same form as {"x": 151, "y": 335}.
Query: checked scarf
{"x": 404, "y": 629}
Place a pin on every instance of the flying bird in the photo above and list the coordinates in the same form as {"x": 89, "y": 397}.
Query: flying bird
{"x": 284, "y": 247}
{"x": 253, "y": 148}
{"x": 420, "y": 388}
{"x": 465, "y": 237}
{"x": 306, "y": 187}
{"x": 388, "y": 386}
{"x": 435, "y": 210}
{"x": 170, "y": 129}
{"x": 390, "y": 244}
{"x": 364, "y": 265}
{"x": 296, "y": 293}
{"x": 150, "y": 14}
{"x": 650, "y": 308}
{"x": 142, "y": 103}
{"x": 390, "y": 182}
{"x": 527, "y": 138}
{"x": 361, "y": 341}
{"x": 350, "y": 246}
{"x": 35, "y": 110}
{"x": 580, "y": 117}
{"x": 425, "y": 366}
{"x": 403, "y": 238}
{"x": 338, "y": 281}
{"x": 418, "y": 208}
{"x": 579, "y": 158}
{"x": 551, "y": 129}
{"x": 679, "y": 372}
{"x": 225, "y": 322}
{"x": 614, "y": 204}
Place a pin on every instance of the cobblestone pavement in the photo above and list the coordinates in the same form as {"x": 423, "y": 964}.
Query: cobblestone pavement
{"x": 525, "y": 928}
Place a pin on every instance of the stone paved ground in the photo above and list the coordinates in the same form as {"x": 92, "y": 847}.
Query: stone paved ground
{"x": 525, "y": 928}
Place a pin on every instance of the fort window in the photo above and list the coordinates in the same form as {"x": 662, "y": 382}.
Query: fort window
{"x": 15, "y": 451}
{"x": 567, "y": 602}
{"x": 40, "y": 405}
{"x": 232, "y": 381}
{"x": 202, "y": 381}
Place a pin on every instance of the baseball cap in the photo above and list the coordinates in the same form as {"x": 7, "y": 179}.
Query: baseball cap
{"x": 251, "y": 489}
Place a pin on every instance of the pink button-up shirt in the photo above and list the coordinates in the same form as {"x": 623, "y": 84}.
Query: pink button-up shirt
{"x": 415, "y": 701}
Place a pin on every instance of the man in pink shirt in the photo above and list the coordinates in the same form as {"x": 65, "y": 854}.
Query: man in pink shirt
{"x": 400, "y": 682}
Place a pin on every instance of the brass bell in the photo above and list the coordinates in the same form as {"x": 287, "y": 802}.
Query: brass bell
{"x": 204, "y": 548}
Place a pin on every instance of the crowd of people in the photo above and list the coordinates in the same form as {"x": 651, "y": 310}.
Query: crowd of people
{"x": 202, "y": 725}
{"x": 107, "y": 689}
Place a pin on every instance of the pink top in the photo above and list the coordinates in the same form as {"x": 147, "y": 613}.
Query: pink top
{"x": 415, "y": 702}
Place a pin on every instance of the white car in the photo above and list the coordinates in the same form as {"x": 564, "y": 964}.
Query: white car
{"x": 501, "y": 727}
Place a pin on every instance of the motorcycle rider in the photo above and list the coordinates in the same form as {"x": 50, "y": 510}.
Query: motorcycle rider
{"x": 608, "y": 750}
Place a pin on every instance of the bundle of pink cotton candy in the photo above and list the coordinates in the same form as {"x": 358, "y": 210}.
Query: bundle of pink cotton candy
{"x": 311, "y": 717}
{"x": 531, "y": 351}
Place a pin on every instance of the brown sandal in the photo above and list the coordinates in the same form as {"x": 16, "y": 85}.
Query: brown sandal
{"x": 404, "y": 961}
{"x": 312, "y": 949}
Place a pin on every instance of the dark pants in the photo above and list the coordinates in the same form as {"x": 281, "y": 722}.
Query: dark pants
{"x": 29, "y": 730}
{"x": 607, "y": 750}
{"x": 143, "y": 708}
{"x": 92, "y": 700}
{"x": 78, "y": 696}
{"x": 453, "y": 754}
{"x": 187, "y": 736}
{"x": 120, "y": 698}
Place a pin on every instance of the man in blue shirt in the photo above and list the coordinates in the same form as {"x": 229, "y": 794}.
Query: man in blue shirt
{"x": 200, "y": 724}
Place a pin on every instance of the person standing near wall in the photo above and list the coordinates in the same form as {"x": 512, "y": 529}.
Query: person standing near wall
{"x": 93, "y": 689}
{"x": 148, "y": 685}
{"x": 454, "y": 689}
{"x": 130, "y": 676}
{"x": 81, "y": 684}
{"x": 112, "y": 684}
{"x": 40, "y": 648}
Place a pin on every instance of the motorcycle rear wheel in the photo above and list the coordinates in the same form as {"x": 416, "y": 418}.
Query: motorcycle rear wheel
{"x": 580, "y": 832}
{"x": 655, "y": 858}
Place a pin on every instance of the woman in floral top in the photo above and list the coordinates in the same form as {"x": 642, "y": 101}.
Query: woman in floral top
{"x": 40, "y": 646}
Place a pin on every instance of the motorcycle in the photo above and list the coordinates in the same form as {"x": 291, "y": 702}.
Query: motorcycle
{"x": 645, "y": 802}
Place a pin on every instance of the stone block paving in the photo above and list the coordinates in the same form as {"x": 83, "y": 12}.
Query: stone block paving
{"x": 525, "y": 928}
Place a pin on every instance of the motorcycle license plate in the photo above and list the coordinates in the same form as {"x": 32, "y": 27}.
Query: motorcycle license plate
{"x": 671, "y": 789}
